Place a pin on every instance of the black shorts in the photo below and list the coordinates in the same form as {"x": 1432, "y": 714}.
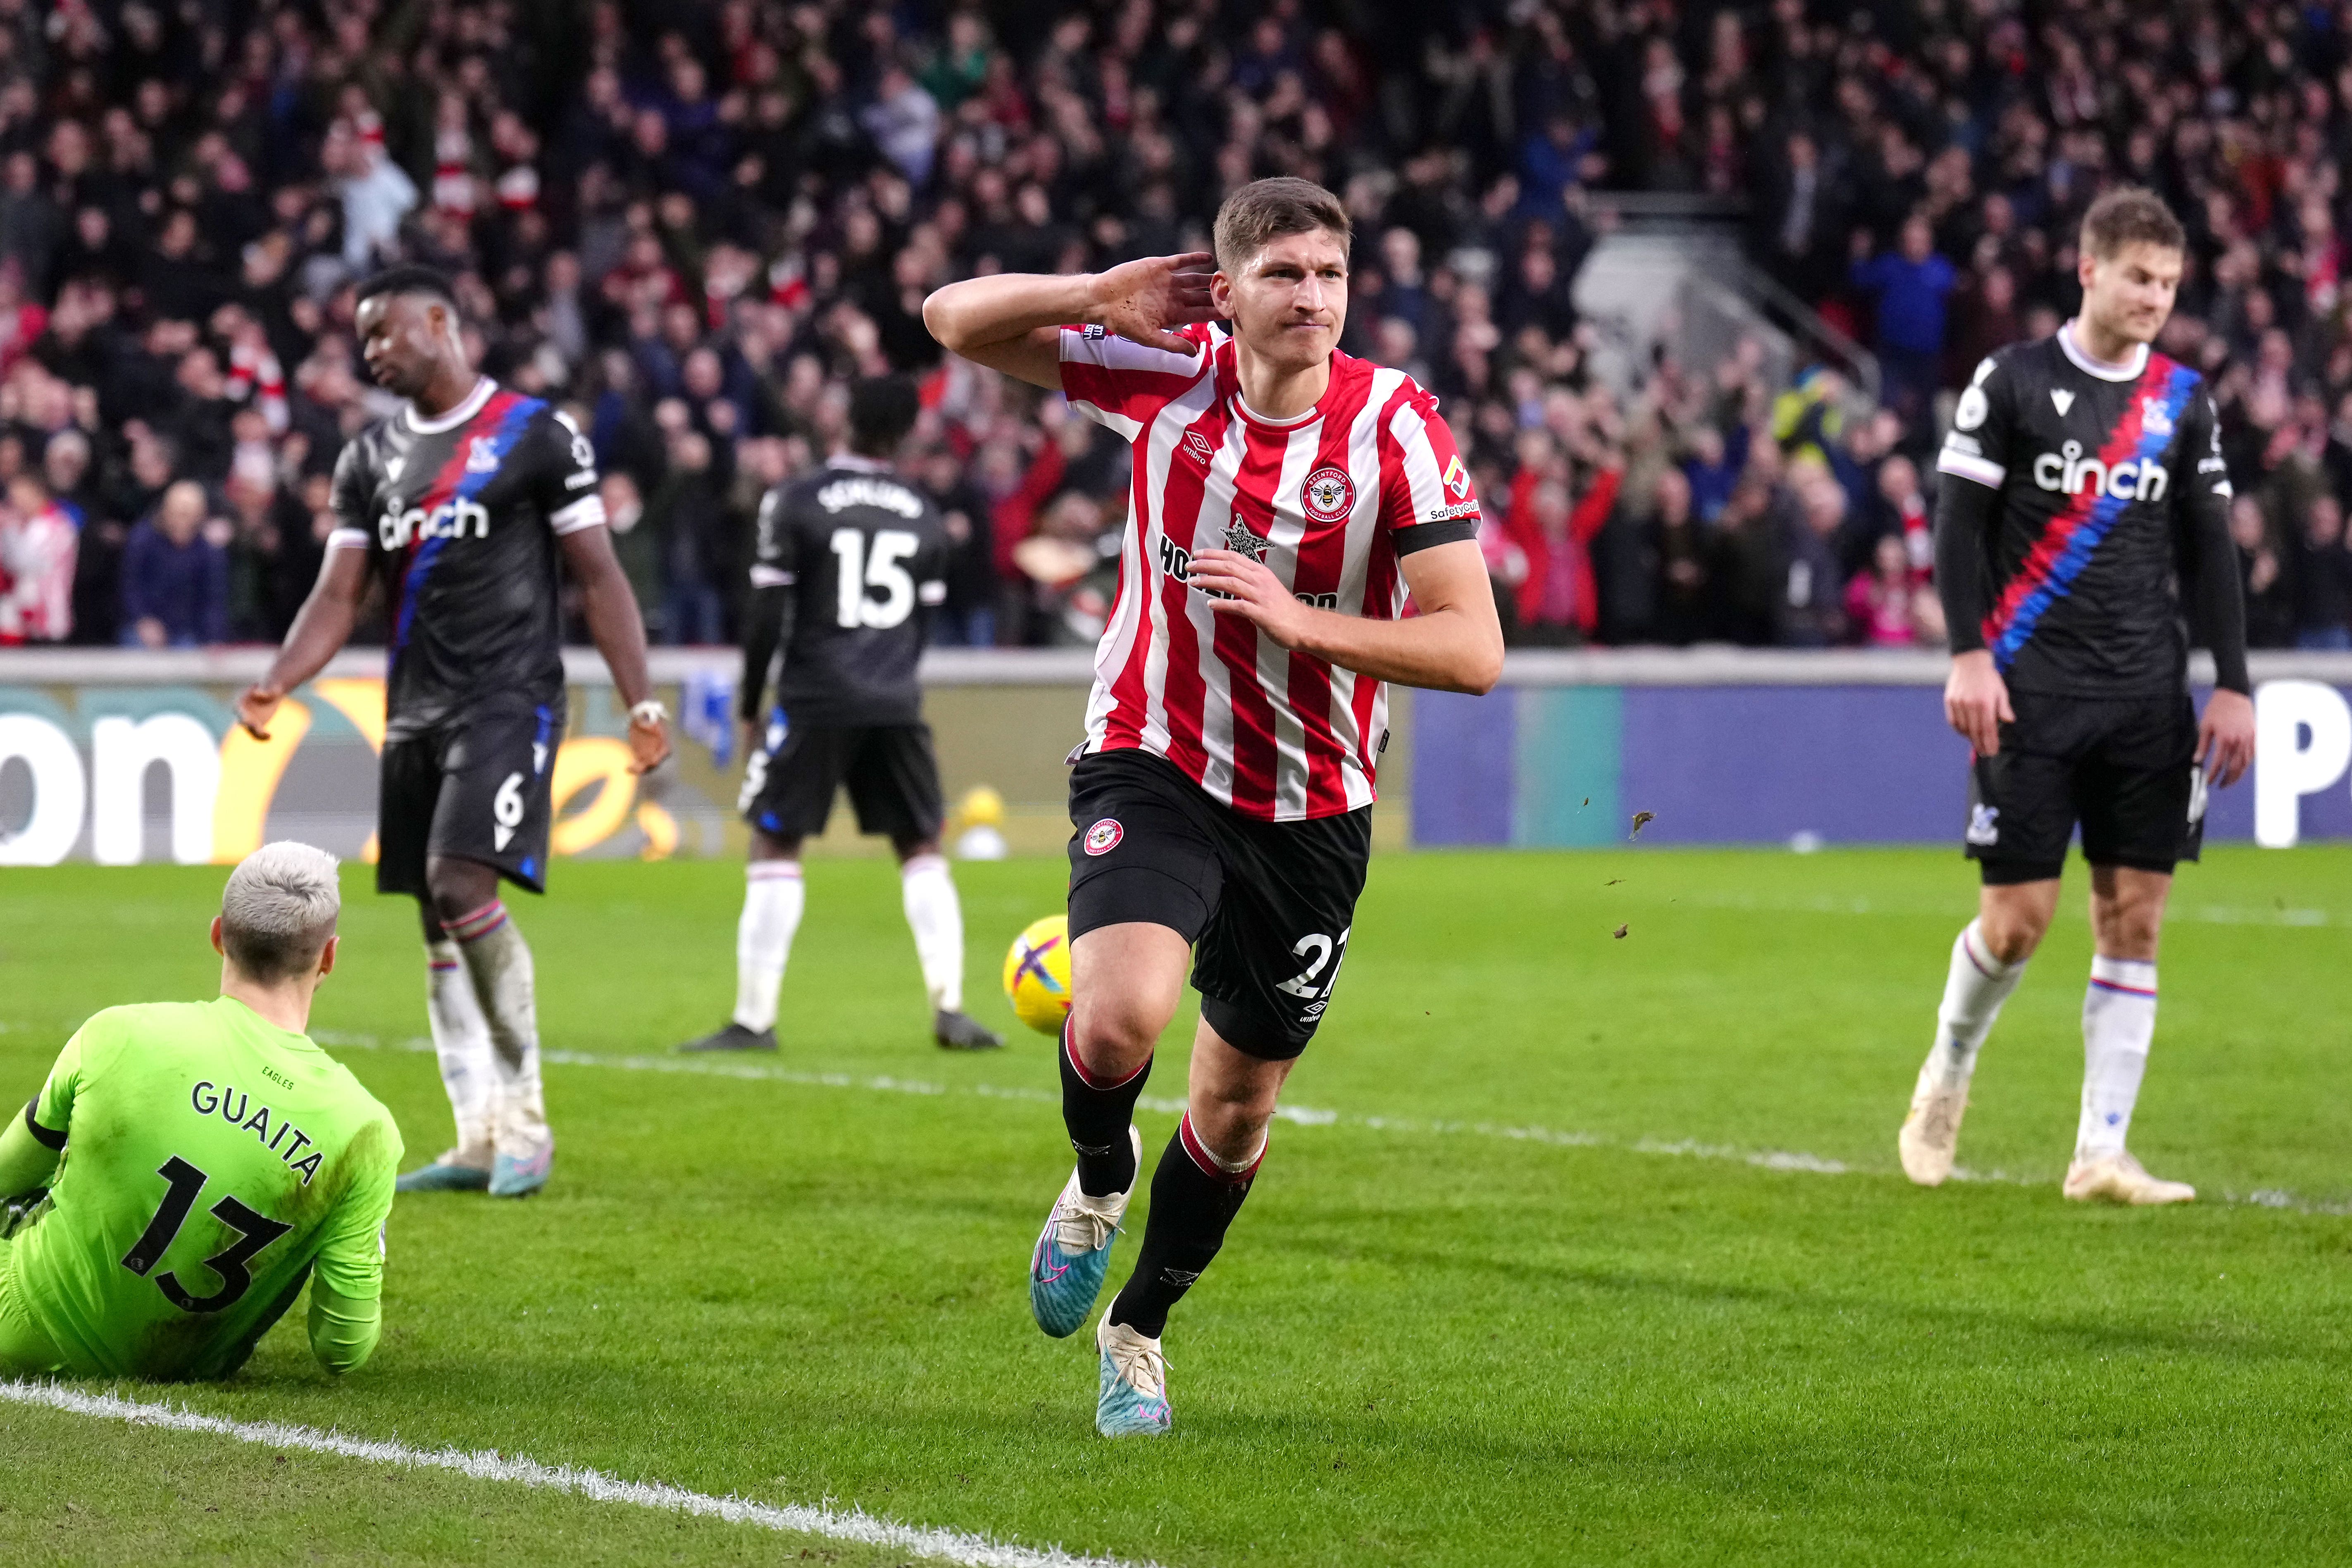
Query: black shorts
{"x": 892, "y": 774}
{"x": 1267, "y": 905}
{"x": 478, "y": 788}
{"x": 2122, "y": 768}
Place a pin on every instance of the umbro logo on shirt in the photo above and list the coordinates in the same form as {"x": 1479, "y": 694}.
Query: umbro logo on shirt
{"x": 2064, "y": 400}
{"x": 1197, "y": 445}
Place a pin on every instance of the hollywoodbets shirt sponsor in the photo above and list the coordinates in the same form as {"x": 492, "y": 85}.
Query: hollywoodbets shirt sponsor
{"x": 460, "y": 517}
{"x": 2100, "y": 471}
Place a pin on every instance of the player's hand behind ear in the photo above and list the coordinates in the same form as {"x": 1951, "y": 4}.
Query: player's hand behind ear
{"x": 1142, "y": 299}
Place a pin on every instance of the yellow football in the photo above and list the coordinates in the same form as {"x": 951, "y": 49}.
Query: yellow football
{"x": 1037, "y": 974}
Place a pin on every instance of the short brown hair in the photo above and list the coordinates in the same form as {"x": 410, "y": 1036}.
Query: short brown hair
{"x": 1264, "y": 210}
{"x": 2130, "y": 214}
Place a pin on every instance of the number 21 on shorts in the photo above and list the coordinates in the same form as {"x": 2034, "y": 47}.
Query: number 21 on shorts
{"x": 1313, "y": 983}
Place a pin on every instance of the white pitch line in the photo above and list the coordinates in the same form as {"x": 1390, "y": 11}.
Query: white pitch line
{"x": 489, "y": 1465}
{"x": 1310, "y": 1116}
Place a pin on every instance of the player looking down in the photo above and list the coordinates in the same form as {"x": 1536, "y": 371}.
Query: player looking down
{"x": 2084, "y": 472}
{"x": 847, "y": 565}
{"x": 463, "y": 507}
{"x": 1287, "y": 501}
{"x": 189, "y": 1164}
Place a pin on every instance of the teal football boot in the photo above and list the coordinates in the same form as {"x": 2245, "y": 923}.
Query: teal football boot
{"x": 1132, "y": 1401}
{"x": 1073, "y": 1252}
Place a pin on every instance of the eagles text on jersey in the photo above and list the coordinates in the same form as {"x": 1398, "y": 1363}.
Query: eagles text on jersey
{"x": 2100, "y": 473}
{"x": 460, "y": 517}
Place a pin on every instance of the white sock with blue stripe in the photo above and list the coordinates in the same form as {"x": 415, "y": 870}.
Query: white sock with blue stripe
{"x": 2118, "y": 1024}
{"x": 1974, "y": 988}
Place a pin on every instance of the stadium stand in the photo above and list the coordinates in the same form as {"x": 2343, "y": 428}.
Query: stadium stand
{"x": 693, "y": 222}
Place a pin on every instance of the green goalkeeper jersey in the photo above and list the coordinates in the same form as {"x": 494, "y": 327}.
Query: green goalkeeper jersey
{"x": 211, "y": 1160}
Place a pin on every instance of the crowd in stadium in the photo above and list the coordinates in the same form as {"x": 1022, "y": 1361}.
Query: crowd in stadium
{"x": 694, "y": 223}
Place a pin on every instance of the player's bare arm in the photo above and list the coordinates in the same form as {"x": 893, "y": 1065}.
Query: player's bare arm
{"x": 614, "y": 622}
{"x": 1008, "y": 323}
{"x": 319, "y": 630}
{"x": 1453, "y": 644}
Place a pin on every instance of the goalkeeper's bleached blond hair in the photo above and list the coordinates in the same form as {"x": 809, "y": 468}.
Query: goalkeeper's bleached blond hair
{"x": 279, "y": 909}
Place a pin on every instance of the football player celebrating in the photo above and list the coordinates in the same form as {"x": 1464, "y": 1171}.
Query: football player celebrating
{"x": 219, "y": 1160}
{"x": 848, "y": 563}
{"x": 464, "y": 506}
{"x": 2084, "y": 473}
{"x": 1287, "y": 501}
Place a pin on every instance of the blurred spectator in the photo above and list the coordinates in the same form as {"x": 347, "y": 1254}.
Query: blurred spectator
{"x": 2323, "y": 581}
{"x": 37, "y": 564}
{"x": 1811, "y": 613}
{"x": 1555, "y": 601}
{"x": 176, "y": 577}
{"x": 688, "y": 525}
{"x": 1908, "y": 290}
{"x": 2270, "y": 595}
{"x": 1878, "y": 603}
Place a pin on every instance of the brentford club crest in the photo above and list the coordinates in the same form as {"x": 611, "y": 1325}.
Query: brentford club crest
{"x": 1241, "y": 542}
{"x": 1328, "y": 495}
{"x": 1104, "y": 836}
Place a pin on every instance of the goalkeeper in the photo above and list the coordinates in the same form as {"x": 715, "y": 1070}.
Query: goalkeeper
{"x": 188, "y": 1165}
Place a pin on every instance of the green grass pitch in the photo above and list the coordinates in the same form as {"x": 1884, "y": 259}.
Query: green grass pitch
{"x": 1599, "y": 1254}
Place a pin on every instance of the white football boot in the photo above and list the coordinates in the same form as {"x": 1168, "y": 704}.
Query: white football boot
{"x": 2119, "y": 1179}
{"x": 1931, "y": 1134}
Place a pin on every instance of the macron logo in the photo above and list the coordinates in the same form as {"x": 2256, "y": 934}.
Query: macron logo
{"x": 2064, "y": 400}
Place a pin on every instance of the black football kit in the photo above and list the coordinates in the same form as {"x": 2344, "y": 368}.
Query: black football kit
{"x": 459, "y": 516}
{"x": 848, "y": 565}
{"x": 2076, "y": 495}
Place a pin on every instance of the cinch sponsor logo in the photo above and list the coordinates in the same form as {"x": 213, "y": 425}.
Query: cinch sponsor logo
{"x": 1177, "y": 562}
{"x": 2071, "y": 473}
{"x": 396, "y": 529}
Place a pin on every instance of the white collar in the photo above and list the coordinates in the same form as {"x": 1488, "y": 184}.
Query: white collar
{"x": 2128, "y": 371}
{"x": 483, "y": 387}
{"x": 860, "y": 464}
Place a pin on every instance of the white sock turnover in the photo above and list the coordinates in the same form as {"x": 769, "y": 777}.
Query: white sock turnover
{"x": 1973, "y": 992}
{"x": 2118, "y": 1024}
{"x": 461, "y": 1040}
{"x": 773, "y": 897}
{"x": 937, "y": 921}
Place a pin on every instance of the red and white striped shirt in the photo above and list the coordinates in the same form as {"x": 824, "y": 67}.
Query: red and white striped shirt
{"x": 1329, "y": 500}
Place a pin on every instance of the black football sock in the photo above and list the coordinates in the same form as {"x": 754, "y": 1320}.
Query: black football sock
{"x": 1194, "y": 1200}
{"x": 1098, "y": 1111}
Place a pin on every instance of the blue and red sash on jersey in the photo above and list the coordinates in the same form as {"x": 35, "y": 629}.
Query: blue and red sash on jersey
{"x": 2075, "y": 531}
{"x": 505, "y": 416}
